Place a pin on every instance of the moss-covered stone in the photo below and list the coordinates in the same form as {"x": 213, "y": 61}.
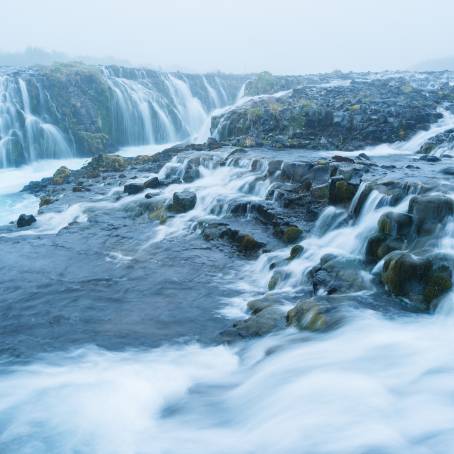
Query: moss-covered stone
{"x": 45, "y": 200}
{"x": 292, "y": 234}
{"x": 296, "y": 251}
{"x": 61, "y": 175}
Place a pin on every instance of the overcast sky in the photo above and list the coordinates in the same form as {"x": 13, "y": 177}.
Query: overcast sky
{"x": 282, "y": 36}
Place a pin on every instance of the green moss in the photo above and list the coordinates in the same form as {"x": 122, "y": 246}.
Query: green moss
{"x": 344, "y": 192}
{"x": 437, "y": 285}
{"x": 296, "y": 251}
{"x": 160, "y": 214}
{"x": 292, "y": 234}
{"x": 61, "y": 175}
{"x": 274, "y": 281}
{"x": 45, "y": 200}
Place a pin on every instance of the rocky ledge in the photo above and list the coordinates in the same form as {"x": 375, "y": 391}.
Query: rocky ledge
{"x": 348, "y": 115}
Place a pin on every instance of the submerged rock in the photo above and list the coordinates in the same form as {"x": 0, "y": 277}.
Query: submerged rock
{"x": 263, "y": 322}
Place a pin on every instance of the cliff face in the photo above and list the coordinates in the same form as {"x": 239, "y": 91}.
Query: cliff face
{"x": 349, "y": 113}
{"x": 79, "y": 110}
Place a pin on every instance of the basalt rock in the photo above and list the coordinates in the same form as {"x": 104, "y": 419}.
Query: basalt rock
{"x": 429, "y": 211}
{"x": 262, "y": 323}
{"x": 320, "y": 313}
{"x": 183, "y": 201}
{"x": 418, "y": 279}
{"x": 25, "y": 220}
{"x": 61, "y": 176}
{"x": 348, "y": 117}
{"x": 337, "y": 274}
{"x": 133, "y": 188}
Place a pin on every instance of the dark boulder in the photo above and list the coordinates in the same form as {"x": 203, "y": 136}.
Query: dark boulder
{"x": 133, "y": 188}
{"x": 429, "y": 211}
{"x": 380, "y": 245}
{"x": 183, "y": 201}
{"x": 152, "y": 183}
{"x": 418, "y": 279}
{"x": 396, "y": 225}
{"x": 341, "y": 192}
{"x": 25, "y": 220}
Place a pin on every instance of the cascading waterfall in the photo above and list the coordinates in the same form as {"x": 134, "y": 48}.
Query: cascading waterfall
{"x": 146, "y": 108}
{"x": 26, "y": 135}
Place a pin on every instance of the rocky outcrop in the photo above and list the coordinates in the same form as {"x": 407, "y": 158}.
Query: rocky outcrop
{"x": 419, "y": 279}
{"x": 334, "y": 117}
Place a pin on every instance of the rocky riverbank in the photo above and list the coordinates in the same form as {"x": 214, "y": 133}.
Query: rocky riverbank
{"x": 397, "y": 209}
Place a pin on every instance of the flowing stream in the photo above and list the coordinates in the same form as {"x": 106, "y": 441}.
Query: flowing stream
{"x": 117, "y": 352}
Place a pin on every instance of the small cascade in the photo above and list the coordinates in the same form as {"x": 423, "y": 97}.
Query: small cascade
{"x": 25, "y": 132}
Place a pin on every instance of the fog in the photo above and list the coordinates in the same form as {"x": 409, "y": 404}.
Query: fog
{"x": 286, "y": 36}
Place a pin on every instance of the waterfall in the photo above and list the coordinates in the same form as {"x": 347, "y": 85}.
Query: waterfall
{"x": 125, "y": 107}
{"x": 25, "y": 132}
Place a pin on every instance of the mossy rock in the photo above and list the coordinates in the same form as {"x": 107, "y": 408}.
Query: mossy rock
{"x": 61, "y": 175}
{"x": 296, "y": 251}
{"x": 45, "y": 200}
{"x": 292, "y": 234}
{"x": 248, "y": 244}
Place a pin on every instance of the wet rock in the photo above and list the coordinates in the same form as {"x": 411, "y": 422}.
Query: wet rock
{"x": 191, "y": 171}
{"x": 248, "y": 244}
{"x": 266, "y": 321}
{"x": 104, "y": 163}
{"x": 45, "y": 200}
{"x": 430, "y": 158}
{"x": 183, "y": 201}
{"x": 336, "y": 274}
{"x": 295, "y": 172}
{"x": 291, "y": 234}
{"x": 429, "y": 211}
{"x": 395, "y": 224}
{"x": 296, "y": 251}
{"x": 379, "y": 246}
{"x": 61, "y": 175}
{"x": 338, "y": 158}
{"x": 152, "y": 183}
{"x": 258, "y": 305}
{"x": 320, "y": 313}
{"x": 418, "y": 279}
{"x": 133, "y": 188}
{"x": 25, "y": 220}
{"x": 274, "y": 167}
{"x": 364, "y": 157}
{"x": 320, "y": 193}
{"x": 341, "y": 192}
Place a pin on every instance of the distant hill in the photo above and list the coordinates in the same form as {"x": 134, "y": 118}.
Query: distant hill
{"x": 36, "y": 56}
{"x": 436, "y": 64}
